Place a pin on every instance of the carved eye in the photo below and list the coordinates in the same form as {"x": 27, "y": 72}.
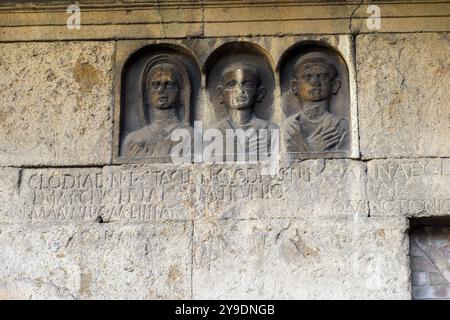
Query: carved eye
{"x": 171, "y": 85}
{"x": 323, "y": 76}
{"x": 156, "y": 85}
{"x": 307, "y": 77}
{"x": 248, "y": 85}
{"x": 231, "y": 84}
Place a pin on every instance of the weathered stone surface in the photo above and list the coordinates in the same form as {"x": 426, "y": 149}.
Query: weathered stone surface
{"x": 33, "y": 263}
{"x": 56, "y": 103}
{"x": 11, "y": 203}
{"x": 74, "y": 226}
{"x": 150, "y": 193}
{"x": 62, "y": 195}
{"x": 167, "y": 19}
{"x": 101, "y": 261}
{"x": 409, "y": 187}
{"x": 151, "y": 261}
{"x": 308, "y": 189}
{"x": 293, "y": 259}
{"x": 403, "y": 94}
{"x": 143, "y": 193}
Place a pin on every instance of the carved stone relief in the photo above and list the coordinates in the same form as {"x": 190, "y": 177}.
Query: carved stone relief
{"x": 241, "y": 86}
{"x": 161, "y": 92}
{"x": 315, "y": 90}
{"x": 163, "y": 88}
{"x": 158, "y": 93}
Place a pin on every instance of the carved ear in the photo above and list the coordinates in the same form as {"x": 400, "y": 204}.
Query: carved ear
{"x": 335, "y": 86}
{"x": 260, "y": 94}
{"x": 294, "y": 87}
{"x": 219, "y": 94}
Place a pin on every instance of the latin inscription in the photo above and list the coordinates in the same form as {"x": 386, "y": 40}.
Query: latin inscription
{"x": 409, "y": 187}
{"x": 147, "y": 193}
{"x": 313, "y": 187}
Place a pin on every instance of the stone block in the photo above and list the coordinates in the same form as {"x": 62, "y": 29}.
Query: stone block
{"x": 296, "y": 259}
{"x": 420, "y": 278}
{"x": 409, "y": 187}
{"x": 56, "y": 103}
{"x": 136, "y": 261}
{"x": 403, "y": 94}
{"x": 62, "y": 195}
{"x": 141, "y": 193}
{"x": 34, "y": 265}
{"x": 313, "y": 188}
{"x": 99, "y": 261}
{"x": 11, "y": 203}
{"x": 431, "y": 292}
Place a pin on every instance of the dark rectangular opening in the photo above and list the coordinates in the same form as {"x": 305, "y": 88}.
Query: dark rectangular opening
{"x": 430, "y": 258}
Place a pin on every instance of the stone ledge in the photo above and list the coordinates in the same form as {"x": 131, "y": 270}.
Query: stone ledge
{"x": 132, "y": 21}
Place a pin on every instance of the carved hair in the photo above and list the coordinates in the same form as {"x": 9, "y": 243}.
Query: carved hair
{"x": 241, "y": 65}
{"x": 164, "y": 62}
{"x": 164, "y": 66}
{"x": 315, "y": 57}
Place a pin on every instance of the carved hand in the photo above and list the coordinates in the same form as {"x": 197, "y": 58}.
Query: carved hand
{"x": 323, "y": 139}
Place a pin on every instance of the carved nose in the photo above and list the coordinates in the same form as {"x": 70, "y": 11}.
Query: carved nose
{"x": 316, "y": 81}
{"x": 162, "y": 88}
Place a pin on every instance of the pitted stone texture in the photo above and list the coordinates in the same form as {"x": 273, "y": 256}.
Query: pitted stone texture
{"x": 62, "y": 194}
{"x": 403, "y": 93}
{"x": 34, "y": 263}
{"x": 312, "y": 188}
{"x": 141, "y": 193}
{"x": 409, "y": 187}
{"x": 363, "y": 258}
{"x": 168, "y": 192}
{"x": 102, "y": 261}
{"x": 151, "y": 261}
{"x": 11, "y": 203}
{"x": 56, "y": 103}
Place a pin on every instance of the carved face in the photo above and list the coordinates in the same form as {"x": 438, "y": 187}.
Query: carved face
{"x": 239, "y": 88}
{"x": 163, "y": 87}
{"x": 314, "y": 82}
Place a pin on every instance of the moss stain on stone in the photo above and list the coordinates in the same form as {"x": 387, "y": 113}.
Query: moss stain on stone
{"x": 86, "y": 76}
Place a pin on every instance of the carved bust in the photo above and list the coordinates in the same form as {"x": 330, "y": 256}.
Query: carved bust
{"x": 162, "y": 96}
{"x": 238, "y": 91}
{"x": 314, "y": 128}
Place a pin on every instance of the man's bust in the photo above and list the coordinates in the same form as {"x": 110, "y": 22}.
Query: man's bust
{"x": 239, "y": 90}
{"x": 313, "y": 128}
{"x": 162, "y": 95}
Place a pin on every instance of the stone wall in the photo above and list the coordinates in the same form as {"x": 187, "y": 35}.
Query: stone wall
{"x": 75, "y": 223}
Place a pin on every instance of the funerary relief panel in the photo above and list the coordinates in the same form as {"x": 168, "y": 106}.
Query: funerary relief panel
{"x": 287, "y": 96}
{"x": 159, "y": 86}
{"x": 315, "y": 99}
{"x": 240, "y": 86}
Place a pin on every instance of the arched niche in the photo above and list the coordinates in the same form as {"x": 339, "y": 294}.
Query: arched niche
{"x": 340, "y": 103}
{"x": 240, "y": 52}
{"x": 307, "y": 54}
{"x": 133, "y": 113}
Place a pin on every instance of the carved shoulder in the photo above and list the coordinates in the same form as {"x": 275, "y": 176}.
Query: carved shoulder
{"x": 134, "y": 141}
{"x": 290, "y": 126}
